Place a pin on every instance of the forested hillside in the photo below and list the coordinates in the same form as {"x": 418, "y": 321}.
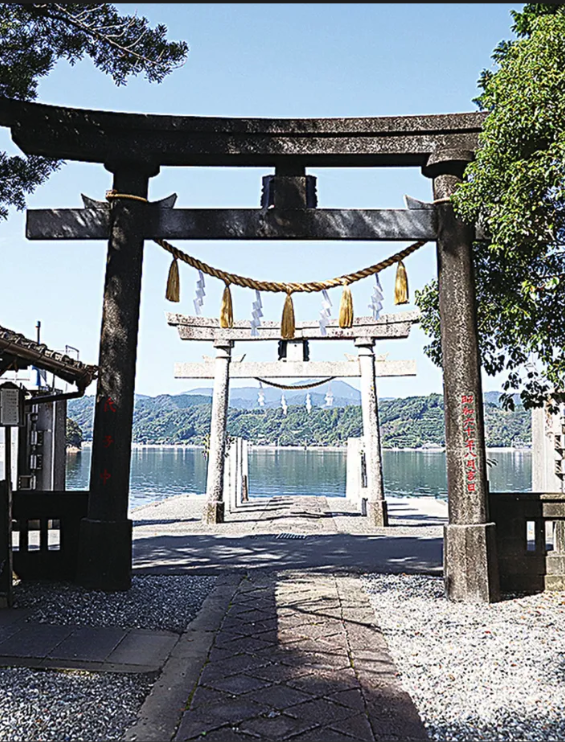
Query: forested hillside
{"x": 412, "y": 422}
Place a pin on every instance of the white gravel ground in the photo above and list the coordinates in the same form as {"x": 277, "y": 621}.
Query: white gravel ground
{"x": 476, "y": 672}
{"x": 51, "y": 705}
{"x": 161, "y": 602}
{"x": 48, "y": 706}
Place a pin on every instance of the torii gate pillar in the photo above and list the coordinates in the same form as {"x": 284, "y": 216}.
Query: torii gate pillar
{"x": 470, "y": 560}
{"x": 106, "y": 533}
{"x": 214, "y": 508}
{"x": 376, "y": 503}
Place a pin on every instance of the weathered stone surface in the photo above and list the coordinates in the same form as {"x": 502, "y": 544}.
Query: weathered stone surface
{"x": 214, "y": 512}
{"x": 294, "y": 369}
{"x": 376, "y": 508}
{"x": 548, "y": 448}
{"x": 296, "y": 694}
{"x": 388, "y": 326}
{"x": 360, "y": 225}
{"x": 470, "y": 563}
{"x": 105, "y": 551}
{"x": 377, "y": 513}
{"x": 214, "y": 509}
{"x": 103, "y": 136}
{"x": 464, "y": 424}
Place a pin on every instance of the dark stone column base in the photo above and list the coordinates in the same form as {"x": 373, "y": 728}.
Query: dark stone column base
{"x": 213, "y": 512}
{"x": 377, "y": 513}
{"x": 104, "y": 558}
{"x": 470, "y": 563}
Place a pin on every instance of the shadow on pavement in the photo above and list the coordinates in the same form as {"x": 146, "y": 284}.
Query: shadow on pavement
{"x": 208, "y": 553}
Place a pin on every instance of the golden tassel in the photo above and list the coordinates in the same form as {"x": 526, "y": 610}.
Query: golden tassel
{"x": 287, "y": 322}
{"x": 346, "y": 308}
{"x": 401, "y": 285}
{"x": 226, "y": 310}
{"x": 173, "y": 282}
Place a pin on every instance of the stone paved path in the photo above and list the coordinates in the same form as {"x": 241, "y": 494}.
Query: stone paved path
{"x": 296, "y": 656}
{"x": 97, "y": 649}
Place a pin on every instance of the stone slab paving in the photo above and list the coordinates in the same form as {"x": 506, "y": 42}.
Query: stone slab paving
{"x": 295, "y": 656}
{"x": 108, "y": 649}
{"x": 170, "y": 537}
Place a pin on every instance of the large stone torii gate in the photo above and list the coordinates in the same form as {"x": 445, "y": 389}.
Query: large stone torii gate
{"x": 134, "y": 146}
{"x": 365, "y": 332}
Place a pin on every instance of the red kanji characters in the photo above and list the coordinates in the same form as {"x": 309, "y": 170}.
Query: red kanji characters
{"x": 108, "y": 440}
{"x": 109, "y": 405}
{"x": 467, "y": 399}
{"x": 105, "y": 476}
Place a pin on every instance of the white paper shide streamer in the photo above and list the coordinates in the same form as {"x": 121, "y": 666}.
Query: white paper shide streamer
{"x": 325, "y": 312}
{"x": 284, "y": 404}
{"x": 376, "y": 304}
{"x": 200, "y": 293}
{"x": 256, "y": 314}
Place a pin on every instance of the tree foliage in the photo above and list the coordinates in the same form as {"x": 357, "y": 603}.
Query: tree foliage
{"x": 515, "y": 189}
{"x": 73, "y": 434}
{"x": 33, "y": 37}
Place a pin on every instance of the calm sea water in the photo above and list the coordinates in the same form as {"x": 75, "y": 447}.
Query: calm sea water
{"x": 158, "y": 473}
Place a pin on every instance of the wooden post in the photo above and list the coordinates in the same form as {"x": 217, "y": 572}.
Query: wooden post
{"x": 106, "y": 533}
{"x": 214, "y": 508}
{"x": 470, "y": 560}
{"x": 376, "y": 505}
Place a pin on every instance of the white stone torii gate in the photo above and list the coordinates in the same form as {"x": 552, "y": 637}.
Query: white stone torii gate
{"x": 365, "y": 332}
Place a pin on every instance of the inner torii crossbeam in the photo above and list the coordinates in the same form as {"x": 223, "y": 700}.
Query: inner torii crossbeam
{"x": 365, "y": 332}
{"x": 134, "y": 146}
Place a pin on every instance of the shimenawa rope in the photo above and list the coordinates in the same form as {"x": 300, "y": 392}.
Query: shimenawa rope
{"x": 296, "y": 387}
{"x": 288, "y": 320}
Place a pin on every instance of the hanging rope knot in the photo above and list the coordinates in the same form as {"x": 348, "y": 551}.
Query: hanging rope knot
{"x": 173, "y": 281}
{"x": 112, "y": 194}
{"x": 401, "y": 285}
{"x": 288, "y": 324}
{"x": 226, "y": 310}
{"x": 346, "y": 306}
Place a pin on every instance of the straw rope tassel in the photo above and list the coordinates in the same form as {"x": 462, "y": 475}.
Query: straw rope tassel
{"x": 401, "y": 285}
{"x": 346, "y": 307}
{"x": 226, "y": 310}
{"x": 288, "y": 324}
{"x": 173, "y": 282}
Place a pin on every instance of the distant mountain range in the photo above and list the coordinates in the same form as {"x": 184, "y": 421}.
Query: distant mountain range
{"x": 246, "y": 397}
{"x": 412, "y": 422}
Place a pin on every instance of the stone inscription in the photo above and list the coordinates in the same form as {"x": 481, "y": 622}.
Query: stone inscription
{"x": 469, "y": 417}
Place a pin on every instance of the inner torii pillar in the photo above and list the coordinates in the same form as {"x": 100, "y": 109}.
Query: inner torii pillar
{"x": 470, "y": 559}
{"x": 376, "y": 503}
{"x": 214, "y": 509}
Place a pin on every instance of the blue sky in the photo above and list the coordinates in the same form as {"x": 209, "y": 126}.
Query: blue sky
{"x": 255, "y": 60}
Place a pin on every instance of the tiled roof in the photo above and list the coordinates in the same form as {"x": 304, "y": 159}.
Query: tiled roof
{"x": 66, "y": 368}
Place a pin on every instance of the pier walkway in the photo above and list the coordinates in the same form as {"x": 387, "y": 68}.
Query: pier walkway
{"x": 314, "y": 533}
